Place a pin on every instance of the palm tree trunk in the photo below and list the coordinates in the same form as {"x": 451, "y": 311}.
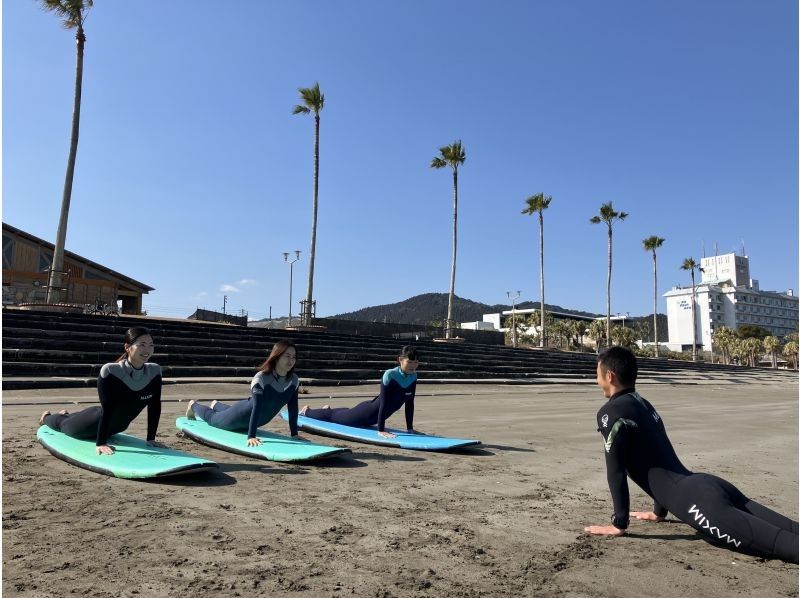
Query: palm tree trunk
{"x": 694, "y": 326}
{"x": 542, "y": 342}
{"x": 655, "y": 301}
{"x": 449, "y": 333}
{"x": 312, "y": 254}
{"x": 55, "y": 283}
{"x": 608, "y": 292}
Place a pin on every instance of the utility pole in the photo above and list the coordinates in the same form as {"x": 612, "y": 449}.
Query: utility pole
{"x": 224, "y": 303}
{"x": 513, "y": 317}
{"x": 291, "y": 266}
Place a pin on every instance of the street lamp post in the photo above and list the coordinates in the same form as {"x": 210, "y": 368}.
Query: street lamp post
{"x": 291, "y": 267}
{"x": 513, "y": 318}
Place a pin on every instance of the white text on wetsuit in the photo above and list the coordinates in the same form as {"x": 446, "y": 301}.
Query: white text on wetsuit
{"x": 706, "y": 524}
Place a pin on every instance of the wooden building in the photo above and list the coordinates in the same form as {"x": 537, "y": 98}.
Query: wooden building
{"x": 26, "y": 263}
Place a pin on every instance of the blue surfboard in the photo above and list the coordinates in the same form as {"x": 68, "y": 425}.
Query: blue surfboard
{"x": 133, "y": 457}
{"x": 273, "y": 447}
{"x": 404, "y": 440}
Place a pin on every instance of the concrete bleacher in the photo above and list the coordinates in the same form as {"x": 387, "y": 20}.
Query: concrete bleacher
{"x": 52, "y": 350}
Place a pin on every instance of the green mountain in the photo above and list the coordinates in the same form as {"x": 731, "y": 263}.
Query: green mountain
{"x": 425, "y": 308}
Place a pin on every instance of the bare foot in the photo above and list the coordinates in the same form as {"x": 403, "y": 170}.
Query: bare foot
{"x": 326, "y": 406}
{"x": 303, "y": 410}
{"x": 189, "y": 413}
{"x": 41, "y": 419}
{"x": 214, "y": 402}
{"x": 63, "y": 412}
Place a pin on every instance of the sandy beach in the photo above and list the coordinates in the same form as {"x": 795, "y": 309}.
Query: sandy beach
{"x": 502, "y": 520}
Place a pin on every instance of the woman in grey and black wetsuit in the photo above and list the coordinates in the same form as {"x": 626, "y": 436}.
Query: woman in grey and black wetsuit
{"x": 125, "y": 387}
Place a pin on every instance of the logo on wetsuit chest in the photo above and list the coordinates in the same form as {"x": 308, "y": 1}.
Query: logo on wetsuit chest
{"x": 146, "y": 397}
{"x": 604, "y": 419}
{"x": 713, "y": 530}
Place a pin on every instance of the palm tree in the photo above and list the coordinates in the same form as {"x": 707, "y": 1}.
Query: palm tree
{"x": 691, "y": 265}
{"x": 609, "y": 216}
{"x": 753, "y": 347}
{"x": 452, "y": 155}
{"x": 598, "y": 332}
{"x": 72, "y": 14}
{"x": 724, "y": 339}
{"x": 313, "y": 101}
{"x": 651, "y": 244}
{"x": 538, "y": 204}
{"x": 790, "y": 350}
{"x": 771, "y": 345}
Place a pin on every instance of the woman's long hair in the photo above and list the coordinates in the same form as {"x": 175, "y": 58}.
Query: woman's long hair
{"x": 130, "y": 338}
{"x": 278, "y": 349}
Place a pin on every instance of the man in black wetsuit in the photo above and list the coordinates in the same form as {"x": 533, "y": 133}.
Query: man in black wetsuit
{"x": 636, "y": 445}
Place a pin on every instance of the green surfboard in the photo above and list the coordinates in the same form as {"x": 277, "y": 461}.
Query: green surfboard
{"x": 273, "y": 447}
{"x": 133, "y": 458}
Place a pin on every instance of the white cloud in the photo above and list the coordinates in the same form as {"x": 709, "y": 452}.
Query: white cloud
{"x": 247, "y": 281}
{"x": 228, "y": 288}
{"x": 202, "y": 294}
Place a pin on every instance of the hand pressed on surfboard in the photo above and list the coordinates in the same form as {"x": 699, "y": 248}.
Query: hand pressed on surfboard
{"x": 253, "y": 442}
{"x": 604, "y": 530}
{"x": 105, "y": 449}
{"x": 646, "y": 516}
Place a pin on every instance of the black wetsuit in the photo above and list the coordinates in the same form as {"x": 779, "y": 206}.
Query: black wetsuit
{"x": 268, "y": 394}
{"x": 124, "y": 391}
{"x": 397, "y": 389}
{"x": 636, "y": 445}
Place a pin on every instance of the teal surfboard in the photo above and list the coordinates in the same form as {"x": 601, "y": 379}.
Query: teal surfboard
{"x": 273, "y": 447}
{"x": 417, "y": 442}
{"x": 133, "y": 457}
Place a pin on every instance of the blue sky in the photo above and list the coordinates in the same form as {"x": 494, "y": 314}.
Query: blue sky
{"x": 193, "y": 175}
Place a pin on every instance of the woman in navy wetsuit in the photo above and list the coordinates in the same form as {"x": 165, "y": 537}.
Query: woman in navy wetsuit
{"x": 274, "y": 386}
{"x": 398, "y": 387}
{"x": 125, "y": 387}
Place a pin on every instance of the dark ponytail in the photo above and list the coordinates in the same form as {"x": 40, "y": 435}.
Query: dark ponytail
{"x": 130, "y": 337}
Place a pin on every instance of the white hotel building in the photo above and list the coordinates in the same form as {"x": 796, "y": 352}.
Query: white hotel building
{"x": 727, "y": 296}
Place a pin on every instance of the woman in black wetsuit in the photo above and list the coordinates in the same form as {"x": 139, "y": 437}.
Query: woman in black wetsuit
{"x": 125, "y": 387}
{"x": 398, "y": 388}
{"x": 637, "y": 446}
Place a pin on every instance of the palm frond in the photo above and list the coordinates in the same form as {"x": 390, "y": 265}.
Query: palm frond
{"x": 71, "y": 12}
{"x": 652, "y": 243}
{"x": 312, "y": 97}
{"x": 438, "y": 163}
{"x": 300, "y": 110}
{"x": 537, "y": 204}
{"x": 689, "y": 264}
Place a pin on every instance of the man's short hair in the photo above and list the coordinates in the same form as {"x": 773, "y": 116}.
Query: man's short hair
{"x": 620, "y": 361}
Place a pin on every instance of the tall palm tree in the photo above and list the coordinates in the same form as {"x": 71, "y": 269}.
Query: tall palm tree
{"x": 691, "y": 265}
{"x": 609, "y": 216}
{"x": 72, "y": 14}
{"x": 651, "y": 244}
{"x": 537, "y": 204}
{"x": 313, "y": 101}
{"x": 452, "y": 155}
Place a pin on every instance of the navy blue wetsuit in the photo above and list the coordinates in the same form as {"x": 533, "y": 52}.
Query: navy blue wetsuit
{"x": 268, "y": 394}
{"x": 636, "y": 445}
{"x": 124, "y": 391}
{"x": 397, "y": 389}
